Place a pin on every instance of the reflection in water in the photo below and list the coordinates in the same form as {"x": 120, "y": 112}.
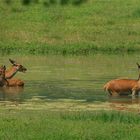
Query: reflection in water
{"x": 124, "y": 100}
{"x": 10, "y": 93}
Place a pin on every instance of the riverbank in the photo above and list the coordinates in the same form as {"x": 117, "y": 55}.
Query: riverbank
{"x": 66, "y": 50}
{"x": 93, "y": 27}
{"x": 71, "y": 105}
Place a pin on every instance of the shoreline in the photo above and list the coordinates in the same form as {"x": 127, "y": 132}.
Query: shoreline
{"x": 66, "y": 50}
{"x": 69, "y": 105}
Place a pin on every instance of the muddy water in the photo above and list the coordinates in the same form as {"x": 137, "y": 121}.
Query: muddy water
{"x": 70, "y": 77}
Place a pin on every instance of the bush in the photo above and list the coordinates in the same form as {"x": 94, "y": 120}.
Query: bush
{"x": 8, "y": 2}
{"x": 26, "y": 2}
{"x": 78, "y": 2}
{"x": 53, "y": 1}
{"x": 35, "y": 1}
{"x": 64, "y": 2}
{"x": 46, "y": 3}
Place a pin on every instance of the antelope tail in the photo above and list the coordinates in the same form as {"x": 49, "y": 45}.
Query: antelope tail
{"x": 105, "y": 87}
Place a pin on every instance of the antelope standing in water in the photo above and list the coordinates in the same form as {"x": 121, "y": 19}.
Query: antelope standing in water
{"x": 123, "y": 86}
{"x": 16, "y": 67}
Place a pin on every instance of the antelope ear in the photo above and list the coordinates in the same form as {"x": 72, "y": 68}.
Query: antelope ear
{"x": 138, "y": 65}
{"x": 12, "y": 61}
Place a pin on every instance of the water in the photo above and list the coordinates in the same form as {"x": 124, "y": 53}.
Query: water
{"x": 70, "y": 77}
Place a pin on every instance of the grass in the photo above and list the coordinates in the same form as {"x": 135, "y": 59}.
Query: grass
{"x": 93, "y": 26}
{"x": 28, "y": 124}
{"x": 66, "y": 120}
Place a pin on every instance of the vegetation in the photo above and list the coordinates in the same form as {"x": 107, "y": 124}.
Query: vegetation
{"x": 93, "y": 26}
{"x": 28, "y": 124}
{"x": 61, "y": 2}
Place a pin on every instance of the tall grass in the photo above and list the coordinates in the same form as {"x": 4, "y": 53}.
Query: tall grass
{"x": 104, "y": 116}
{"x": 76, "y": 49}
{"x": 25, "y": 124}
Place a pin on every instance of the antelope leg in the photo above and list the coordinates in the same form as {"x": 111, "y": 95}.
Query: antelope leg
{"x": 133, "y": 93}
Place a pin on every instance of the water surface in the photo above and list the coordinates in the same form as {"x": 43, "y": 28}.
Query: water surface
{"x": 70, "y": 77}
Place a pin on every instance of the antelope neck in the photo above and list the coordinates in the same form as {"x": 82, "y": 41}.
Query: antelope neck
{"x": 11, "y": 72}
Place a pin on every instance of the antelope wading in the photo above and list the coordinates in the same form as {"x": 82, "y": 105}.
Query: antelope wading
{"x": 10, "y": 73}
{"x": 123, "y": 86}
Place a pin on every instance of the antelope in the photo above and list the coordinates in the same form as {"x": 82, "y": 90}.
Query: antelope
{"x": 15, "y": 82}
{"x": 123, "y": 86}
{"x": 12, "y": 71}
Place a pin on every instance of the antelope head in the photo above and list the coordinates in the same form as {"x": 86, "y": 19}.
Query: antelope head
{"x": 18, "y": 66}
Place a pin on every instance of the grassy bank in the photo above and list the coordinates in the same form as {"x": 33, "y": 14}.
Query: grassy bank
{"x": 92, "y": 27}
{"x": 28, "y": 124}
{"x": 68, "y": 120}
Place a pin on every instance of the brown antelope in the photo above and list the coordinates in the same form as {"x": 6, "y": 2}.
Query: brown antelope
{"x": 15, "y": 82}
{"x": 12, "y": 71}
{"x": 123, "y": 86}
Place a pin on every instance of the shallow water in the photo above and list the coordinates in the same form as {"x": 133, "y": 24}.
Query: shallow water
{"x": 70, "y": 77}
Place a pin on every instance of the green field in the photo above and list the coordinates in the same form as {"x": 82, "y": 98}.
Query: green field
{"x": 66, "y": 121}
{"x": 94, "y": 26}
{"x": 65, "y": 125}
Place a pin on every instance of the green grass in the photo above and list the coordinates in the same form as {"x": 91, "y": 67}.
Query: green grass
{"x": 27, "y": 124}
{"x": 94, "y": 26}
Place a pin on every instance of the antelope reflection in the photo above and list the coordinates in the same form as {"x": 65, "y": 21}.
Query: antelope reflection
{"x": 124, "y": 100}
{"x": 11, "y": 93}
